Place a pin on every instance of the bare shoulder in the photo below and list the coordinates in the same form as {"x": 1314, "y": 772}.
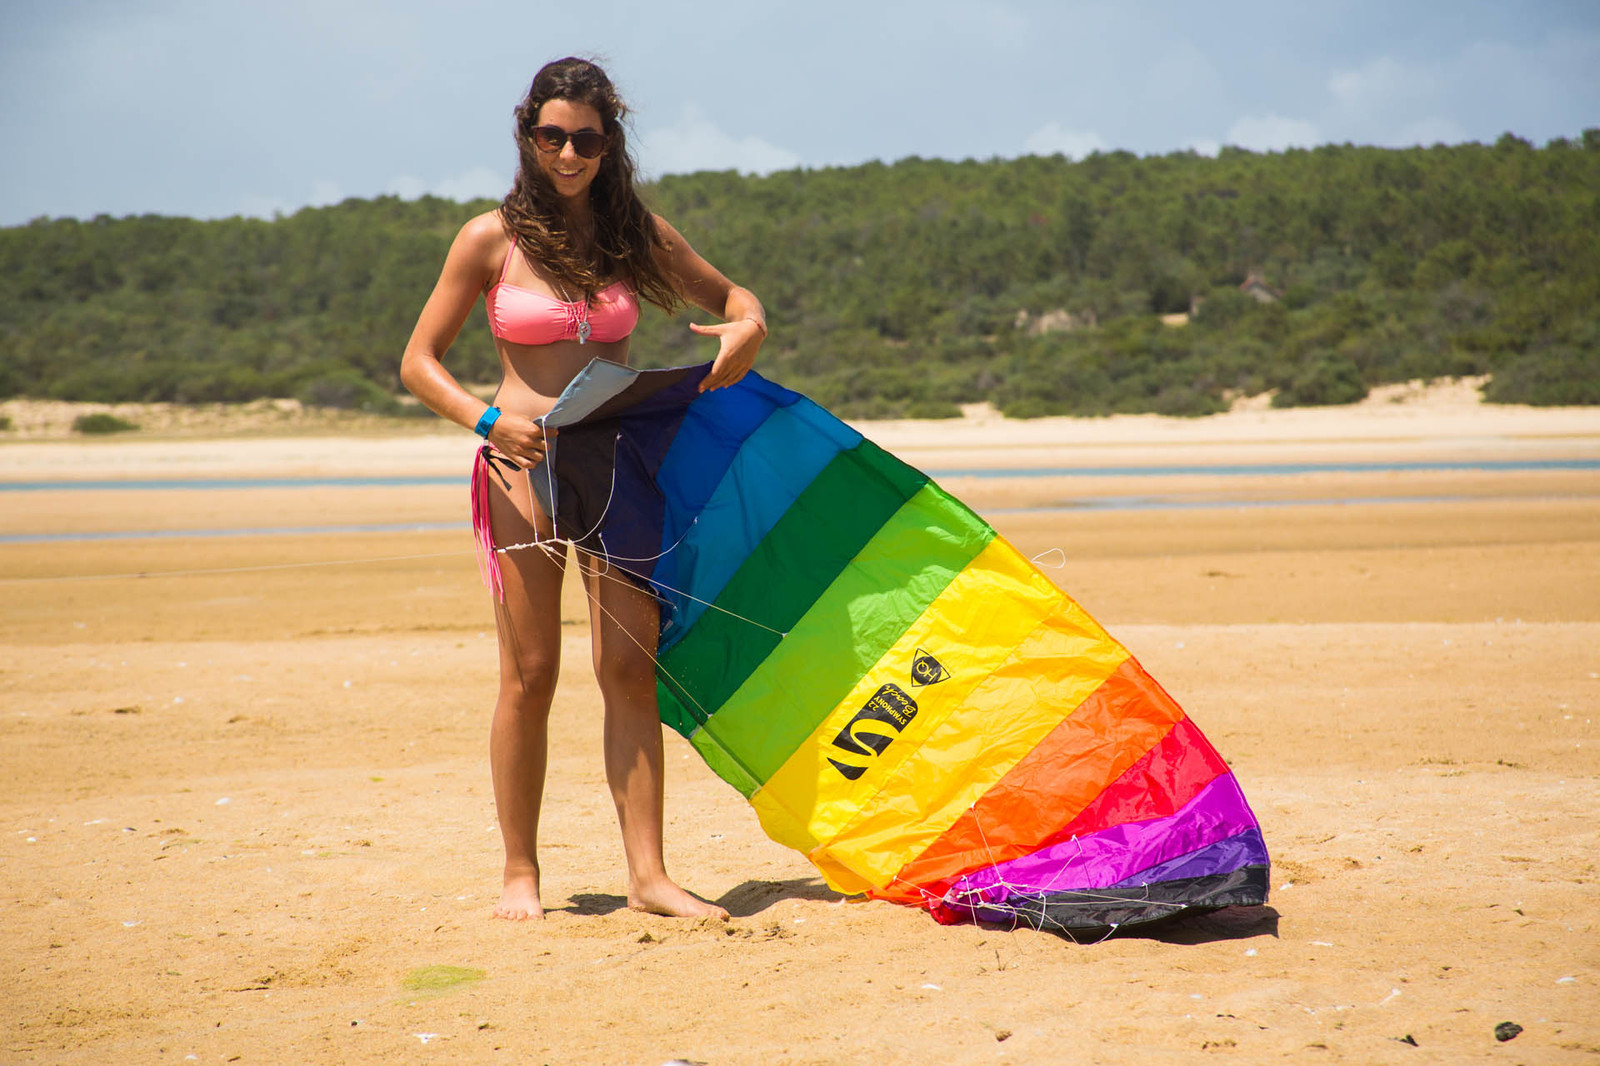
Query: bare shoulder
{"x": 483, "y": 233}
{"x": 480, "y": 245}
{"x": 670, "y": 237}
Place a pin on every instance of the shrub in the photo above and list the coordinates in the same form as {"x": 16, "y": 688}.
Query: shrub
{"x": 1223, "y": 307}
{"x": 1030, "y": 407}
{"x": 100, "y": 423}
{"x": 1299, "y": 295}
{"x": 1168, "y": 295}
{"x": 1546, "y": 379}
{"x": 345, "y": 390}
{"x": 1322, "y": 383}
{"x": 1185, "y": 401}
{"x": 871, "y": 408}
{"x": 1446, "y": 262}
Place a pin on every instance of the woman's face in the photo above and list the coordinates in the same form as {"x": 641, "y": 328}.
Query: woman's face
{"x": 568, "y": 171}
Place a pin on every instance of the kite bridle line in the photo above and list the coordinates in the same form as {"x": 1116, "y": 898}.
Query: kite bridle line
{"x": 1041, "y": 919}
{"x": 555, "y": 542}
{"x": 1017, "y": 915}
{"x": 550, "y": 484}
{"x": 550, "y": 546}
{"x": 704, "y": 715}
{"x": 555, "y": 539}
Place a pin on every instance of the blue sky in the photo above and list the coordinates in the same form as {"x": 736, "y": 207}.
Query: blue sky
{"x": 212, "y": 108}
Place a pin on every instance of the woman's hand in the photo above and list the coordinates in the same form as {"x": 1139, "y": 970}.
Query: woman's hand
{"x": 522, "y": 440}
{"x": 741, "y": 340}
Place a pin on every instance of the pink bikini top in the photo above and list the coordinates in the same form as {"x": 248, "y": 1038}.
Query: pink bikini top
{"x": 523, "y": 316}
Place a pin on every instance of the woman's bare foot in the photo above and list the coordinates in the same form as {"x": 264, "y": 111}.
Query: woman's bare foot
{"x": 519, "y": 899}
{"x": 664, "y": 897}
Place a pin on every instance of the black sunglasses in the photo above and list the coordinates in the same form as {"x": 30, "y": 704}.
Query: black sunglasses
{"x": 587, "y": 143}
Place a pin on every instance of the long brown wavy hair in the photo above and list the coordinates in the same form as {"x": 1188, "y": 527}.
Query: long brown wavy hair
{"x": 625, "y": 232}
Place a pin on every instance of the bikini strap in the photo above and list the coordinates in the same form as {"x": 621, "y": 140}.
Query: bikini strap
{"x": 511, "y": 250}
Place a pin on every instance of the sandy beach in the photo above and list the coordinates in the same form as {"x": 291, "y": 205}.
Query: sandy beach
{"x": 248, "y": 815}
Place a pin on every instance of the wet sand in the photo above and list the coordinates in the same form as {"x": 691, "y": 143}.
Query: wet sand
{"x": 248, "y": 807}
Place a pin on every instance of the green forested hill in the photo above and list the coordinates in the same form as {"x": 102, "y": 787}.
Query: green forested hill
{"x": 905, "y": 288}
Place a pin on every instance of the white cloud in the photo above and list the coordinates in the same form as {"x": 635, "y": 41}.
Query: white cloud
{"x": 1391, "y": 103}
{"x": 694, "y": 143}
{"x": 406, "y": 186}
{"x": 484, "y": 182}
{"x": 1538, "y": 89}
{"x": 1383, "y": 84}
{"x": 1052, "y": 138}
{"x": 255, "y": 205}
{"x": 323, "y": 193}
{"x": 471, "y": 184}
{"x": 1271, "y": 132}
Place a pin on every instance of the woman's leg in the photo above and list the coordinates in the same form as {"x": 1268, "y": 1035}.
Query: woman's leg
{"x": 529, "y": 625}
{"x": 624, "y": 622}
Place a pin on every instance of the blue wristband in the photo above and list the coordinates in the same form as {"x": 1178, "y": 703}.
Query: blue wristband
{"x": 486, "y": 422}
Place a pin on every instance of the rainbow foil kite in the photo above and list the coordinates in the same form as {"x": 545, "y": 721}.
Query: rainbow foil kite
{"x": 899, "y": 694}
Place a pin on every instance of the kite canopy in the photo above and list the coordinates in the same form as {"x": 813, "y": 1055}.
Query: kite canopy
{"x": 897, "y": 691}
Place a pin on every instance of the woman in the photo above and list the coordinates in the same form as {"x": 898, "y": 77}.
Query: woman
{"x": 561, "y": 265}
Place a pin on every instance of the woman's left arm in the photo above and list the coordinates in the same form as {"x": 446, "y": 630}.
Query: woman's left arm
{"x": 744, "y": 324}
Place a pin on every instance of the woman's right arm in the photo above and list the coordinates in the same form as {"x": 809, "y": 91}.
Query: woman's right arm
{"x": 473, "y": 260}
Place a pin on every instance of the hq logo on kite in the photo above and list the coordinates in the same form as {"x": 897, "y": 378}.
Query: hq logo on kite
{"x": 926, "y": 670}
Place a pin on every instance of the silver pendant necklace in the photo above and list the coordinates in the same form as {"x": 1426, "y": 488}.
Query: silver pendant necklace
{"x": 584, "y": 329}
{"x": 583, "y": 321}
